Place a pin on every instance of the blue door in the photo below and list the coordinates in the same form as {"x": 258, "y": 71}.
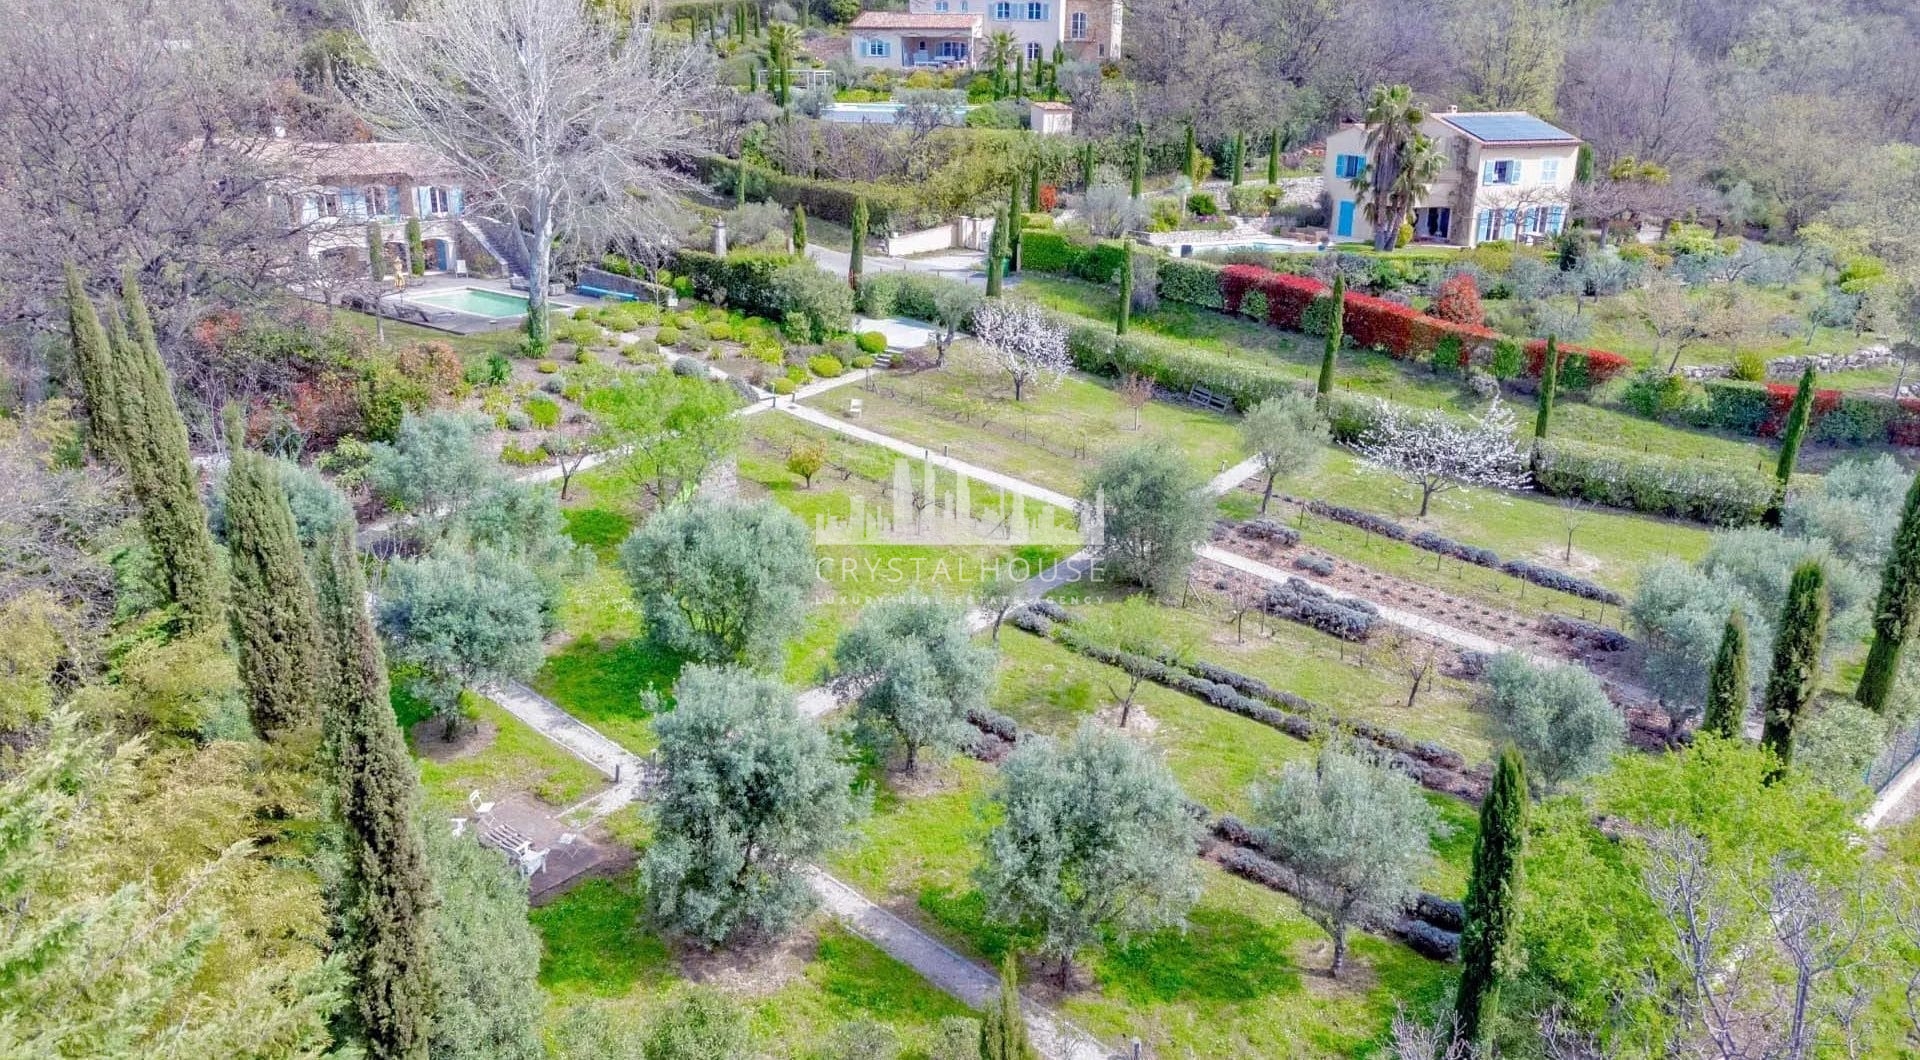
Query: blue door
{"x": 1344, "y": 226}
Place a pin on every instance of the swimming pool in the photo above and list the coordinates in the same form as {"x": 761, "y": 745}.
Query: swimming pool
{"x": 475, "y": 301}
{"x": 883, "y": 113}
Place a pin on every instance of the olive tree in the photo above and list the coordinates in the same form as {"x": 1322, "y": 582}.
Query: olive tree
{"x": 464, "y": 620}
{"x": 1092, "y": 840}
{"x": 1144, "y": 511}
{"x": 752, "y": 792}
{"x": 1288, "y": 433}
{"x": 1557, "y": 715}
{"x": 721, "y": 580}
{"x": 916, "y": 672}
{"x": 1360, "y": 834}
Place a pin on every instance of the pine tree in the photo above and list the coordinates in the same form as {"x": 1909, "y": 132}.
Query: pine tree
{"x": 1798, "y": 416}
{"x": 93, "y": 359}
{"x": 856, "y": 258}
{"x": 1336, "y": 326}
{"x": 1493, "y": 898}
{"x": 387, "y": 888}
{"x": 1728, "y": 687}
{"x": 1894, "y": 611}
{"x": 1273, "y": 159}
{"x": 1139, "y": 166}
{"x": 1796, "y": 658}
{"x": 1549, "y": 379}
{"x": 276, "y": 624}
{"x": 1125, "y": 316}
{"x": 800, "y": 230}
{"x": 1003, "y": 1032}
{"x": 996, "y": 254}
{"x": 160, "y": 467}
{"x": 1014, "y": 221}
{"x": 1086, "y": 165}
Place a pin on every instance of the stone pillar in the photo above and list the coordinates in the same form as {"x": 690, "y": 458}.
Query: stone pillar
{"x": 720, "y": 239}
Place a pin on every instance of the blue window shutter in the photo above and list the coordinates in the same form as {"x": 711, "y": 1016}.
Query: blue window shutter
{"x": 453, "y": 200}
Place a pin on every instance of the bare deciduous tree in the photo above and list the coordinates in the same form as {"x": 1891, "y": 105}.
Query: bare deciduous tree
{"x": 1436, "y": 453}
{"x": 1023, "y": 343}
{"x": 1136, "y": 390}
{"x": 563, "y": 113}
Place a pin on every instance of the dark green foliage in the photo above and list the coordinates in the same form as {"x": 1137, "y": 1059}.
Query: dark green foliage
{"x": 1238, "y": 158}
{"x": 1154, "y": 511}
{"x": 721, "y": 580}
{"x": 1583, "y": 164}
{"x": 1014, "y": 206}
{"x": 1728, "y": 686}
{"x": 1003, "y": 1029}
{"x": 1336, "y": 326}
{"x": 1493, "y": 900}
{"x": 161, "y": 469}
{"x": 93, "y": 361}
{"x": 416, "y": 248}
{"x": 1189, "y": 158}
{"x": 1033, "y": 188}
{"x": 856, "y": 257}
{"x": 1796, "y": 428}
{"x": 1273, "y": 159}
{"x": 800, "y": 230}
{"x": 740, "y": 185}
{"x": 752, "y": 791}
{"x": 1893, "y": 612}
{"x": 1796, "y": 658}
{"x": 1086, "y": 165}
{"x": 1125, "y": 314}
{"x": 1549, "y": 377}
{"x": 376, "y": 251}
{"x": 997, "y": 254}
{"x": 388, "y": 889}
{"x": 1139, "y": 165}
{"x": 276, "y": 625}
{"x": 486, "y": 956}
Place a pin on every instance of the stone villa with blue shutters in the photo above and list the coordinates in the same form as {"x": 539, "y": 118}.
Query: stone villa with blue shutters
{"x": 1507, "y": 175}
{"x": 953, "y": 33}
{"x": 331, "y": 194}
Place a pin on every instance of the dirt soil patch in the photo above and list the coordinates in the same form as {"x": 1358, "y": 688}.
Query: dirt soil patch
{"x": 473, "y": 738}
{"x": 752, "y": 970}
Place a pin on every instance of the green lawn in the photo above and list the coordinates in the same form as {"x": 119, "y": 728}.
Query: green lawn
{"x": 598, "y": 954}
{"x": 1050, "y": 438}
{"x": 516, "y": 759}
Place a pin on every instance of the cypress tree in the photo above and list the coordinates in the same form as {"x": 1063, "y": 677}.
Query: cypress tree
{"x": 1798, "y": 416}
{"x": 1796, "y": 658}
{"x": 1239, "y": 157}
{"x": 1020, "y": 74}
{"x": 996, "y": 254}
{"x": 1003, "y": 1032}
{"x": 1139, "y": 166}
{"x": 416, "y": 248}
{"x": 1893, "y": 611}
{"x": 1273, "y": 159}
{"x": 1191, "y": 161}
{"x": 1013, "y": 225}
{"x": 1086, "y": 165}
{"x": 93, "y": 359}
{"x": 753, "y": 80}
{"x": 1125, "y": 316}
{"x": 1549, "y": 378}
{"x": 800, "y": 230}
{"x": 276, "y": 625}
{"x": 1727, "y": 682}
{"x": 376, "y": 252}
{"x": 1033, "y": 189}
{"x": 1336, "y": 327}
{"x": 856, "y": 258}
{"x": 387, "y": 887}
{"x": 1493, "y": 898}
{"x": 740, "y": 184}
{"x": 160, "y": 467}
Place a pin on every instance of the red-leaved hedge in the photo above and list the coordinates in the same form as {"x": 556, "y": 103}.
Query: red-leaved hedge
{"x": 1580, "y": 366}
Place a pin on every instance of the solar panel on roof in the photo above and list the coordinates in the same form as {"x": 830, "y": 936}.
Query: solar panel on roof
{"x": 1502, "y": 128}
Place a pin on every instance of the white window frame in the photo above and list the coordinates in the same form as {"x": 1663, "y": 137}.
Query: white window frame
{"x": 1077, "y": 26}
{"x": 438, "y": 200}
{"x": 940, "y": 5}
{"x": 876, "y": 48}
{"x": 1003, "y": 11}
{"x": 1490, "y": 171}
{"x": 1034, "y": 53}
{"x": 1036, "y": 11}
{"x": 953, "y": 49}
{"x": 1549, "y": 170}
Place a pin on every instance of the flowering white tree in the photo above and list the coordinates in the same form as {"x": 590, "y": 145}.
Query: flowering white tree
{"x": 1435, "y": 453}
{"x": 1023, "y": 342}
{"x": 562, "y": 112}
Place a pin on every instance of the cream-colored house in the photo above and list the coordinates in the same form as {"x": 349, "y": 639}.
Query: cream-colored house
{"x": 954, "y": 32}
{"x": 333, "y": 194}
{"x": 1508, "y": 175}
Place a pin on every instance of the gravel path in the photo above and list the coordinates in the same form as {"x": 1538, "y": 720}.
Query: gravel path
{"x": 960, "y": 467}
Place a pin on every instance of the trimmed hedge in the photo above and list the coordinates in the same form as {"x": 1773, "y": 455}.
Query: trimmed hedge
{"x": 1048, "y": 251}
{"x": 1760, "y": 409}
{"x": 1446, "y": 546}
{"x": 1310, "y": 605}
{"x": 1683, "y": 489}
{"x": 1563, "y": 582}
{"x": 890, "y": 207}
{"x": 1373, "y": 524}
{"x": 743, "y": 280}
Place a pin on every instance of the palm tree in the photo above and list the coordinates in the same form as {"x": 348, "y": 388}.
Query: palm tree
{"x": 783, "y": 42}
{"x": 1001, "y": 48}
{"x": 1418, "y": 171}
{"x": 1393, "y": 127}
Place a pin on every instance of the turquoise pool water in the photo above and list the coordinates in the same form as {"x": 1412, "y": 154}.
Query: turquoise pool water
{"x": 475, "y": 300}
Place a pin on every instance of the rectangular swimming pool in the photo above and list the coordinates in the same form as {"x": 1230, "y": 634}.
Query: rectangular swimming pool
{"x": 474, "y": 300}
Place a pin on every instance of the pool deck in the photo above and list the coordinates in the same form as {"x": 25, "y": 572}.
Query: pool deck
{"x": 402, "y": 304}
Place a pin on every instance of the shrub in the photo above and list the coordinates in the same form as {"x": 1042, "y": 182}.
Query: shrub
{"x": 825, "y": 366}
{"x": 1202, "y": 204}
{"x": 1310, "y": 605}
{"x": 1591, "y": 635}
{"x": 546, "y": 367}
{"x": 877, "y": 292}
{"x": 871, "y": 341}
{"x": 1432, "y": 542}
{"x": 689, "y": 367}
{"x": 1684, "y": 489}
{"x": 1320, "y": 565}
{"x": 1268, "y": 530}
{"x": 1049, "y": 252}
{"x": 862, "y": 361}
{"x": 1580, "y": 367}
{"x": 719, "y": 331}
{"x": 513, "y": 454}
{"x": 1560, "y": 581}
{"x": 1367, "y": 521}
{"x": 544, "y": 412}
{"x": 516, "y": 420}
{"x": 667, "y": 336}
{"x": 1509, "y": 357}
{"x": 1192, "y": 282}
{"x": 1749, "y": 367}
{"x": 1317, "y": 318}
{"x": 583, "y": 356}
{"x": 640, "y": 349}
{"x": 812, "y": 302}
{"x": 1458, "y": 300}
{"x": 782, "y": 386}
